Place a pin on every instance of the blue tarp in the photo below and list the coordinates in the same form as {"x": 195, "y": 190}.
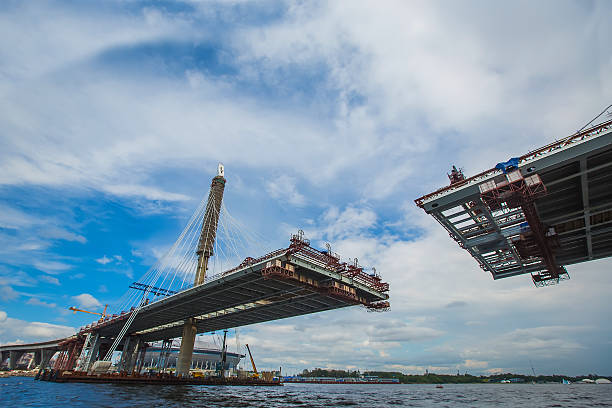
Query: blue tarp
{"x": 509, "y": 165}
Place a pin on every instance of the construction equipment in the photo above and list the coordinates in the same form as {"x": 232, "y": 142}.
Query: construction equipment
{"x": 102, "y": 315}
{"x": 256, "y": 374}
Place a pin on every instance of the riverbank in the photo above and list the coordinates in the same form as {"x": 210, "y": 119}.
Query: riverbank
{"x": 18, "y": 373}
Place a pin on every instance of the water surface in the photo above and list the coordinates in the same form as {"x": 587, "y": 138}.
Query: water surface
{"x": 25, "y": 392}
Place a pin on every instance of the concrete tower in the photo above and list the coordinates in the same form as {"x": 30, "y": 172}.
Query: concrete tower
{"x": 204, "y": 251}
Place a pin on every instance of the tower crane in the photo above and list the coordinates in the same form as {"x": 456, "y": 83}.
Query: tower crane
{"x": 102, "y": 315}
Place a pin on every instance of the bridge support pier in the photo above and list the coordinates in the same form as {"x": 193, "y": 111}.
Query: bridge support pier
{"x": 14, "y": 356}
{"x": 46, "y": 356}
{"x": 38, "y": 356}
{"x": 183, "y": 363}
{"x": 3, "y": 357}
{"x": 127, "y": 354}
{"x": 139, "y": 357}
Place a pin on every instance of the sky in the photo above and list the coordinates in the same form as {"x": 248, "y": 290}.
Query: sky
{"x": 331, "y": 117}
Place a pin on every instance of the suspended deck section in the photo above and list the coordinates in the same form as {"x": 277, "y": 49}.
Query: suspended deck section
{"x": 288, "y": 282}
{"x": 537, "y": 213}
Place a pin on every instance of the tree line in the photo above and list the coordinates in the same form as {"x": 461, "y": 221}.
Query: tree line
{"x": 433, "y": 378}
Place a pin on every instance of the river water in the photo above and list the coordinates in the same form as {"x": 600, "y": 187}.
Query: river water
{"x": 25, "y": 392}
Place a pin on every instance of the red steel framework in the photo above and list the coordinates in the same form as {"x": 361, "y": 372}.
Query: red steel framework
{"x": 550, "y": 148}
{"x": 72, "y": 346}
{"x": 330, "y": 261}
{"x": 515, "y": 191}
{"x": 501, "y": 229}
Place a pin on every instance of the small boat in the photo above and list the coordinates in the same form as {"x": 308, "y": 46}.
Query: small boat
{"x": 439, "y": 386}
{"x": 564, "y": 381}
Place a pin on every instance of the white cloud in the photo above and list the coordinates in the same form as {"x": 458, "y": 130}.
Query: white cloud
{"x": 7, "y": 293}
{"x": 284, "y": 188}
{"x": 37, "y": 302}
{"x": 52, "y": 267}
{"x": 15, "y": 331}
{"x": 104, "y": 260}
{"x": 149, "y": 193}
{"x": 2, "y": 316}
{"x": 19, "y": 278}
{"x": 49, "y": 279}
{"x": 86, "y": 300}
{"x": 475, "y": 364}
{"x": 13, "y": 218}
{"x": 59, "y": 233}
{"x": 336, "y": 225}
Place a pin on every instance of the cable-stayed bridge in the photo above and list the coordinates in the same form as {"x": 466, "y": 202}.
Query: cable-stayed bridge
{"x": 192, "y": 289}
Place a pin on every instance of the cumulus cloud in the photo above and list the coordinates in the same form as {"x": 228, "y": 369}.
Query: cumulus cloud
{"x": 336, "y": 225}
{"x": 284, "y": 188}
{"x": 13, "y": 331}
{"x": 86, "y": 300}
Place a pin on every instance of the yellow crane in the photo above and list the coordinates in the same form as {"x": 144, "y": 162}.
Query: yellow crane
{"x": 256, "y": 375}
{"x": 102, "y": 315}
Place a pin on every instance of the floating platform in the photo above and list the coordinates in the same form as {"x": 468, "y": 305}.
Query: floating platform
{"x": 332, "y": 380}
{"x": 160, "y": 379}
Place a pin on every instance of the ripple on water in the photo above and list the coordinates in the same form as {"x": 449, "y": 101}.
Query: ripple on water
{"x": 30, "y": 393}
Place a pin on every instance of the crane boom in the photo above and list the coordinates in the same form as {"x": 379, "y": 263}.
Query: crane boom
{"x": 252, "y": 361}
{"x": 103, "y": 314}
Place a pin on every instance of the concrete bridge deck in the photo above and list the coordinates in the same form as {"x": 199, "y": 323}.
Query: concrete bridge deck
{"x": 43, "y": 351}
{"x": 250, "y": 294}
{"x": 577, "y": 175}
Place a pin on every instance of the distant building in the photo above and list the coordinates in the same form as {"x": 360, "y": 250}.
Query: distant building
{"x": 203, "y": 358}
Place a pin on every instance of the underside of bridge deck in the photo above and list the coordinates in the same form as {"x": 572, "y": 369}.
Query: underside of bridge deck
{"x": 534, "y": 214}
{"x": 284, "y": 285}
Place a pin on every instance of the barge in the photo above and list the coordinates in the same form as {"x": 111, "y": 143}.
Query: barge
{"x": 141, "y": 379}
{"x": 343, "y": 380}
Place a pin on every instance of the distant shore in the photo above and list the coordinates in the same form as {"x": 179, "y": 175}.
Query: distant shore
{"x": 433, "y": 378}
{"x": 18, "y": 373}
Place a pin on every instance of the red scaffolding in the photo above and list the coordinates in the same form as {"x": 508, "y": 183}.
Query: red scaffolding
{"x": 515, "y": 191}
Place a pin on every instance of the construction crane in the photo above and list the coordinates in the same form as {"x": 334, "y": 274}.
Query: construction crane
{"x": 256, "y": 375}
{"x": 102, "y": 315}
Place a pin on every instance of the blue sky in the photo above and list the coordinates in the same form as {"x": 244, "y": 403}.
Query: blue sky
{"x": 329, "y": 116}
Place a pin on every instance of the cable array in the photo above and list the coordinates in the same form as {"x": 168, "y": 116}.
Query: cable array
{"x": 175, "y": 270}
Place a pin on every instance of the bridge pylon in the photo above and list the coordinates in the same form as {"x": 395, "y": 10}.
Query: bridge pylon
{"x": 204, "y": 252}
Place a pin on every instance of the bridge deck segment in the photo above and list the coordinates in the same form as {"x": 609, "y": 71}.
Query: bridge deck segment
{"x": 575, "y": 211}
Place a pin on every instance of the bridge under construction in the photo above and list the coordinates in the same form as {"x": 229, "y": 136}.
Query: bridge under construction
{"x": 291, "y": 281}
{"x": 536, "y": 213}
